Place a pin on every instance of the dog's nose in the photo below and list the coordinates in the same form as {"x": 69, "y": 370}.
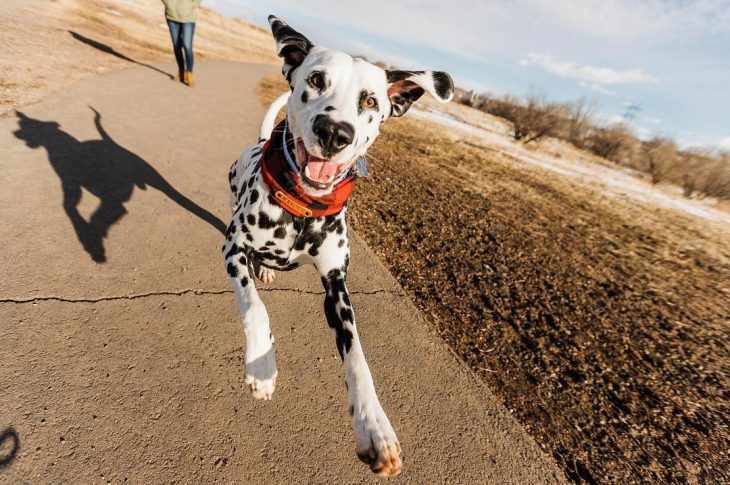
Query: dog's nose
{"x": 333, "y": 136}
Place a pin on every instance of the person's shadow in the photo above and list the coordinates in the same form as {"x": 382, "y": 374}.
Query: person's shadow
{"x": 104, "y": 168}
{"x": 110, "y": 50}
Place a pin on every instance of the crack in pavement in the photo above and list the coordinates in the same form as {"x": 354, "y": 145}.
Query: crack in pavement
{"x": 175, "y": 293}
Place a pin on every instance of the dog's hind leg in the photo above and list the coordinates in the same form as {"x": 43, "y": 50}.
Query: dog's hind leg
{"x": 266, "y": 275}
{"x": 260, "y": 362}
{"x": 377, "y": 444}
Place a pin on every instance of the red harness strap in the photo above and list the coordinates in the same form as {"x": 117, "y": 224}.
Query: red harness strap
{"x": 285, "y": 185}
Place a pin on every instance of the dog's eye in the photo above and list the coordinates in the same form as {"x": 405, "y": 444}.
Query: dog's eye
{"x": 316, "y": 80}
{"x": 371, "y": 102}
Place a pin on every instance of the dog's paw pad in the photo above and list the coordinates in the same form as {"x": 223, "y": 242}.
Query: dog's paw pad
{"x": 261, "y": 388}
{"x": 261, "y": 374}
{"x": 266, "y": 275}
{"x": 377, "y": 444}
{"x": 384, "y": 460}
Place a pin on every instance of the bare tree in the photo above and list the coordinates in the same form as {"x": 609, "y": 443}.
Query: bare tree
{"x": 659, "y": 156}
{"x": 535, "y": 118}
{"x": 692, "y": 166}
{"x": 580, "y": 121}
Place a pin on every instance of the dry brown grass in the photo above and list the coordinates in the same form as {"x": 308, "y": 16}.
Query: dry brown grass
{"x": 602, "y": 328}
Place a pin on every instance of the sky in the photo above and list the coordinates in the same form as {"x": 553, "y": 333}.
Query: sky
{"x": 668, "y": 59}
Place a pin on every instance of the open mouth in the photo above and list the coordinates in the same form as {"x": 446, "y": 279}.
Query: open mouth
{"x": 317, "y": 172}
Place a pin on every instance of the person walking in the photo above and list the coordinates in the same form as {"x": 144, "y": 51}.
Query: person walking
{"x": 180, "y": 15}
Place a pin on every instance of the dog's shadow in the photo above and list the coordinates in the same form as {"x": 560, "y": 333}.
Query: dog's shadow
{"x": 104, "y": 168}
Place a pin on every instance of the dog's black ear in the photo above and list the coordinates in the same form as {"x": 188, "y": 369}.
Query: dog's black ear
{"x": 290, "y": 44}
{"x": 405, "y": 87}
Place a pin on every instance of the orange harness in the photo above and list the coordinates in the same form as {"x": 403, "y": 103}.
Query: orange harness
{"x": 284, "y": 184}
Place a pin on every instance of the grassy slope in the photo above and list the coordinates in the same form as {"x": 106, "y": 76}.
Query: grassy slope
{"x": 601, "y": 326}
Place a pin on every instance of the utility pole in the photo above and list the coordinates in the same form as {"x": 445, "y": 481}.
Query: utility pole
{"x": 630, "y": 112}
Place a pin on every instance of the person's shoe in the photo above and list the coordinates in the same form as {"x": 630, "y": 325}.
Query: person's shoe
{"x": 180, "y": 76}
{"x": 189, "y": 78}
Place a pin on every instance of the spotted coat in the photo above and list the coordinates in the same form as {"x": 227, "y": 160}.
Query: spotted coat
{"x": 334, "y": 111}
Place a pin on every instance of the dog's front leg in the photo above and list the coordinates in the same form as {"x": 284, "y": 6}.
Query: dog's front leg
{"x": 377, "y": 444}
{"x": 260, "y": 363}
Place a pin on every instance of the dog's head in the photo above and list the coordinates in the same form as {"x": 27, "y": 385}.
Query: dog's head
{"x": 338, "y": 103}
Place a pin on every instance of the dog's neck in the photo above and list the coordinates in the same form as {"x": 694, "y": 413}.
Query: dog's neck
{"x": 282, "y": 179}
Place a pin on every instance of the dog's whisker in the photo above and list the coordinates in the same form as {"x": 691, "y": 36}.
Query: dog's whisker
{"x": 373, "y": 158}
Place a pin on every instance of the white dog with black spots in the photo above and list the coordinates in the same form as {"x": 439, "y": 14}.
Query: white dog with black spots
{"x": 333, "y": 114}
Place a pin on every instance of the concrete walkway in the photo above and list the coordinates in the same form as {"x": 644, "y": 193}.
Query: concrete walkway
{"x": 120, "y": 343}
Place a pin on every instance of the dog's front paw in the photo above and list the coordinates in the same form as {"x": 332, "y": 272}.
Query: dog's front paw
{"x": 266, "y": 275}
{"x": 377, "y": 444}
{"x": 261, "y": 375}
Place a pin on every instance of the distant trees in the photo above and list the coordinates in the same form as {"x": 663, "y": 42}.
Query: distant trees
{"x": 532, "y": 118}
{"x": 698, "y": 172}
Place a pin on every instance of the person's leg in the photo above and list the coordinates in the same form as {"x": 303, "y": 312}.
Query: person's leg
{"x": 175, "y": 34}
{"x": 188, "y": 30}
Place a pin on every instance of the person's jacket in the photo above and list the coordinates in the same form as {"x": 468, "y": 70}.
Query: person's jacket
{"x": 182, "y": 11}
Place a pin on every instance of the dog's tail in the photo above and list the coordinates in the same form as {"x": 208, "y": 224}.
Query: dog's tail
{"x": 267, "y": 126}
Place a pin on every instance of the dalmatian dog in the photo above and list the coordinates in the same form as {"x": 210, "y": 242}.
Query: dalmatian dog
{"x": 333, "y": 114}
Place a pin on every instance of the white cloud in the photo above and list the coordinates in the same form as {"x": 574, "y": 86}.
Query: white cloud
{"x": 643, "y": 133}
{"x": 635, "y": 20}
{"x": 476, "y": 86}
{"x": 587, "y": 73}
{"x": 372, "y": 54}
{"x": 614, "y": 47}
{"x": 231, "y": 8}
{"x": 597, "y": 88}
{"x": 690, "y": 139}
{"x": 608, "y": 119}
{"x": 485, "y": 29}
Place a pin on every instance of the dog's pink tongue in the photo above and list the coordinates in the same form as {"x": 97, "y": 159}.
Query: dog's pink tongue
{"x": 321, "y": 170}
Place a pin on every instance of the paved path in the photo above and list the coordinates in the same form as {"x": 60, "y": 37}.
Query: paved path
{"x": 120, "y": 343}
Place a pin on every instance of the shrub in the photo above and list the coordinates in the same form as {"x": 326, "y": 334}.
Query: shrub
{"x": 616, "y": 143}
{"x": 714, "y": 177}
{"x": 531, "y": 119}
{"x": 659, "y": 157}
{"x": 696, "y": 171}
{"x": 535, "y": 118}
{"x": 580, "y": 121}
